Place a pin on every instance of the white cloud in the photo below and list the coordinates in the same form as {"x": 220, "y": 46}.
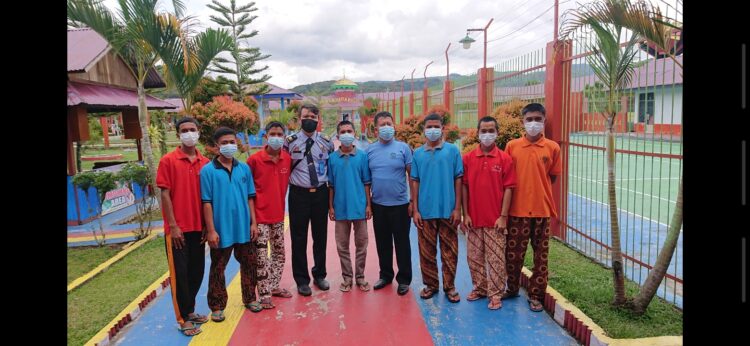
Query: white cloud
{"x": 315, "y": 40}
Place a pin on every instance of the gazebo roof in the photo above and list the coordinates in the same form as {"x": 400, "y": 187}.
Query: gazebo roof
{"x": 104, "y": 98}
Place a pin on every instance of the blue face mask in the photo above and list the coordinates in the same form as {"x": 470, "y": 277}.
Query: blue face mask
{"x": 386, "y": 132}
{"x": 228, "y": 150}
{"x": 275, "y": 142}
{"x": 346, "y": 139}
{"x": 433, "y": 134}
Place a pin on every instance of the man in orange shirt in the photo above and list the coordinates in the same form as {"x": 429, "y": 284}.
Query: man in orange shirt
{"x": 537, "y": 161}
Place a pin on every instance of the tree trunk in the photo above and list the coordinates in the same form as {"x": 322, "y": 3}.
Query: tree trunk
{"x": 657, "y": 273}
{"x": 617, "y": 263}
{"x": 78, "y": 157}
{"x": 146, "y": 141}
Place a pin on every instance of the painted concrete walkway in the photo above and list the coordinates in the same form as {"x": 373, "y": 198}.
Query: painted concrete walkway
{"x": 361, "y": 318}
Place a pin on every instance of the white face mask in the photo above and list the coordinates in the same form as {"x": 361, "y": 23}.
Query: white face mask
{"x": 533, "y": 128}
{"x": 189, "y": 139}
{"x": 487, "y": 139}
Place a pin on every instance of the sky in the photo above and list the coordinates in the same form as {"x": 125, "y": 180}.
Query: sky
{"x": 318, "y": 40}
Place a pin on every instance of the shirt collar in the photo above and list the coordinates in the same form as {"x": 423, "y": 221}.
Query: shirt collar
{"x": 539, "y": 142}
{"x": 218, "y": 164}
{"x": 495, "y": 150}
{"x": 427, "y": 147}
{"x": 181, "y": 154}
{"x": 351, "y": 153}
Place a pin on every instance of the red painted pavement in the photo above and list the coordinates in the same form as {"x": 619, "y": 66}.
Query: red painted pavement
{"x": 334, "y": 317}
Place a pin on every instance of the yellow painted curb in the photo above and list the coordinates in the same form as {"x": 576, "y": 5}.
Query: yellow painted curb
{"x": 598, "y": 336}
{"x": 112, "y": 236}
{"x": 103, "y": 334}
{"x": 86, "y": 277}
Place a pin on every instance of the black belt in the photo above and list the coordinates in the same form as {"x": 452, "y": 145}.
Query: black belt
{"x": 306, "y": 189}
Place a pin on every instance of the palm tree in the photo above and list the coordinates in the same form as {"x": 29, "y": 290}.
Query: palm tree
{"x": 186, "y": 56}
{"x": 614, "y": 68}
{"x": 647, "y": 22}
{"x": 134, "y": 32}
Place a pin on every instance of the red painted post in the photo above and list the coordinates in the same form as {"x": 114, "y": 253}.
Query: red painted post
{"x": 411, "y": 103}
{"x": 401, "y": 102}
{"x": 481, "y": 94}
{"x": 105, "y": 131}
{"x": 393, "y": 107}
{"x": 553, "y": 129}
{"x": 448, "y": 95}
{"x": 425, "y": 100}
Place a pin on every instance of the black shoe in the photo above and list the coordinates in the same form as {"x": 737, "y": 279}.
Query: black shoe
{"x": 380, "y": 284}
{"x": 402, "y": 289}
{"x": 322, "y": 284}
{"x": 304, "y": 290}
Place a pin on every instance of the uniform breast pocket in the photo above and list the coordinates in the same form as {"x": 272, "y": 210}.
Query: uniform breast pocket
{"x": 297, "y": 155}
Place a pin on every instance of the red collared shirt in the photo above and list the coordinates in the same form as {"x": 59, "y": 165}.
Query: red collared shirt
{"x": 271, "y": 182}
{"x": 486, "y": 177}
{"x": 182, "y": 178}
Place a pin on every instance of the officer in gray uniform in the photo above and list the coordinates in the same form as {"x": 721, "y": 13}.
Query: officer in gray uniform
{"x": 308, "y": 198}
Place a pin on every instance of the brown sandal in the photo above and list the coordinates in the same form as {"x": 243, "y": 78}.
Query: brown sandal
{"x": 453, "y": 296}
{"x": 428, "y": 293}
{"x": 345, "y": 287}
{"x": 363, "y": 286}
{"x": 475, "y": 295}
{"x": 495, "y": 303}
{"x": 267, "y": 304}
{"x": 281, "y": 292}
{"x": 535, "y": 305}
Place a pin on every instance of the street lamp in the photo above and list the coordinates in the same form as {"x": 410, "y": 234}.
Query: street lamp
{"x": 467, "y": 41}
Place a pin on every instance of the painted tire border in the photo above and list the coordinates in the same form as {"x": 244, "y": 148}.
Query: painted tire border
{"x": 583, "y": 328}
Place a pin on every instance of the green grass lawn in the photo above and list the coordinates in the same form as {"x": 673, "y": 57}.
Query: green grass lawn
{"x": 588, "y": 285}
{"x": 82, "y": 260}
{"x": 97, "y": 302}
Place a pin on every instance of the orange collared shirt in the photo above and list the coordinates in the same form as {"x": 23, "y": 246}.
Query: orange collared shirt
{"x": 535, "y": 163}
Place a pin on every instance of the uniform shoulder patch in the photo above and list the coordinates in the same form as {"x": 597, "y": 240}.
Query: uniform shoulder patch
{"x": 291, "y": 138}
{"x": 325, "y": 137}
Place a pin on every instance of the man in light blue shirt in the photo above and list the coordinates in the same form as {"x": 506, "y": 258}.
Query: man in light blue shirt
{"x": 349, "y": 204}
{"x": 436, "y": 190}
{"x": 390, "y": 163}
{"x": 228, "y": 193}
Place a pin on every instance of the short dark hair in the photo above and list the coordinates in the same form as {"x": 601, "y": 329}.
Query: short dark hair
{"x": 382, "y": 114}
{"x": 433, "y": 116}
{"x": 221, "y": 132}
{"x": 310, "y": 107}
{"x": 486, "y": 120}
{"x": 534, "y": 107}
{"x": 273, "y": 124}
{"x": 186, "y": 120}
{"x": 342, "y": 123}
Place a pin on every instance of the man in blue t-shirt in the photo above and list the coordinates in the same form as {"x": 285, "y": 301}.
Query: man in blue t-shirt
{"x": 349, "y": 204}
{"x": 390, "y": 163}
{"x": 436, "y": 189}
{"x": 228, "y": 192}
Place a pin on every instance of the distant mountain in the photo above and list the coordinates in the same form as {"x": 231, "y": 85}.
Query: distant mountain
{"x": 433, "y": 83}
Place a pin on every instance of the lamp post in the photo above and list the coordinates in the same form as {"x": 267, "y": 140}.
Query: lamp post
{"x": 467, "y": 41}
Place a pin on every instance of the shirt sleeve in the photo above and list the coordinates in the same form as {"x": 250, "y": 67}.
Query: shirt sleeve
{"x": 163, "y": 178}
{"x": 458, "y": 166}
{"x": 365, "y": 167}
{"x": 415, "y": 169}
{"x": 465, "y": 177}
{"x": 556, "y": 167}
{"x": 331, "y": 174}
{"x": 407, "y": 155}
{"x": 509, "y": 172}
{"x": 250, "y": 183}
{"x": 206, "y": 188}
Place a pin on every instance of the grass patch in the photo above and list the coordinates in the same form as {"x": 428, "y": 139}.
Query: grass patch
{"x": 155, "y": 215}
{"x": 94, "y": 304}
{"x": 82, "y": 260}
{"x": 588, "y": 285}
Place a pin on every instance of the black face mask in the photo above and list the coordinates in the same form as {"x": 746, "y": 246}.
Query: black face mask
{"x": 309, "y": 125}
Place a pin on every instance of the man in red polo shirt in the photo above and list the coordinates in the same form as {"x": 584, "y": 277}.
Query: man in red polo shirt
{"x": 488, "y": 180}
{"x": 270, "y": 167}
{"x": 179, "y": 180}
